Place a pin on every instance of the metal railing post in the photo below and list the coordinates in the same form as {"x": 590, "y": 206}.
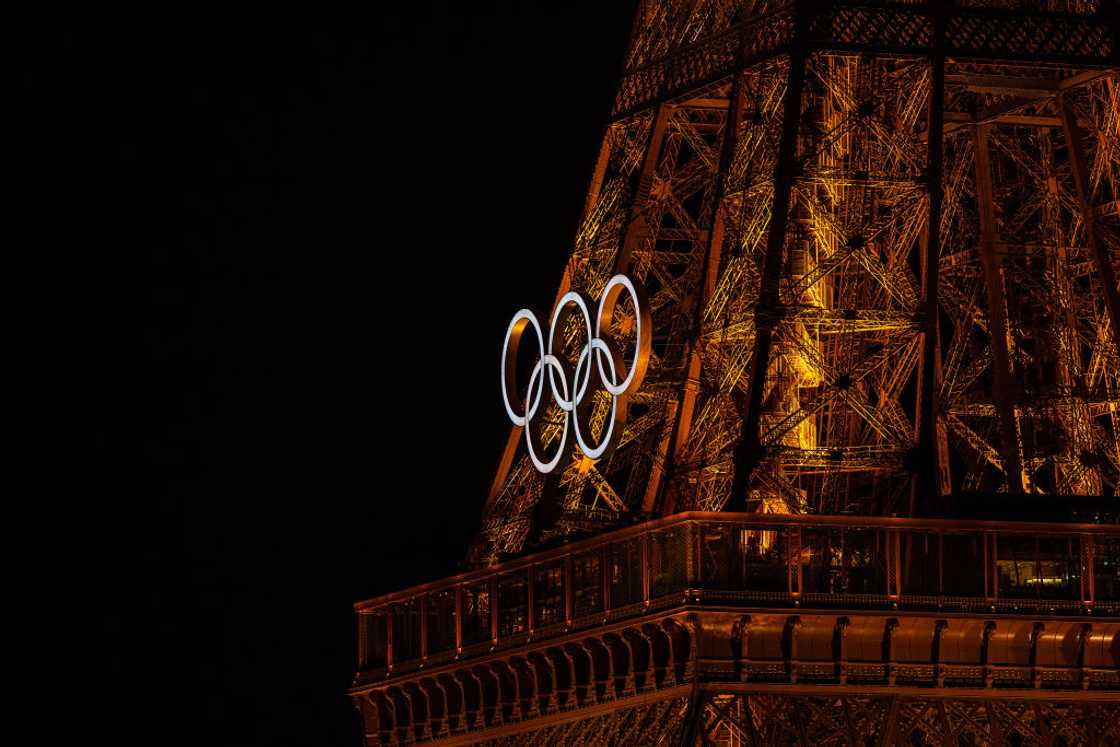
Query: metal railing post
{"x": 569, "y": 596}
{"x": 531, "y": 600}
{"x": 458, "y": 619}
{"x": 494, "y": 608}
{"x": 646, "y": 560}
{"x": 605, "y": 576}
{"x": 389, "y": 658}
{"x": 423, "y": 611}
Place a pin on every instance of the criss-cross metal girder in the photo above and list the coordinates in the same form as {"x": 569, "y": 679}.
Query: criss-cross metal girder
{"x": 877, "y": 244}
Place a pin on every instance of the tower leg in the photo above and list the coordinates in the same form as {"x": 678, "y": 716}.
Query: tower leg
{"x": 748, "y": 450}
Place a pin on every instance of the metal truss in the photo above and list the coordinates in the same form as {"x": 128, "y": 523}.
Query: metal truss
{"x": 741, "y": 717}
{"x": 878, "y": 239}
{"x": 735, "y": 719}
{"x": 879, "y": 242}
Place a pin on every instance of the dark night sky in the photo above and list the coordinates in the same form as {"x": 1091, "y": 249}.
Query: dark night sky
{"x": 314, "y": 242}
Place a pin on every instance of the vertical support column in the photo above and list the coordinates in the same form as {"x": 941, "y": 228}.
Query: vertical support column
{"x": 940, "y": 563}
{"x": 732, "y": 123}
{"x": 748, "y": 720}
{"x": 889, "y": 736}
{"x": 994, "y": 724}
{"x": 692, "y": 555}
{"x": 531, "y": 599}
{"x": 363, "y": 639}
{"x": 709, "y": 273}
{"x": 423, "y": 611}
{"x": 637, "y": 230}
{"x": 605, "y": 562}
{"x": 991, "y": 568}
{"x": 929, "y": 474}
{"x": 748, "y": 450}
{"x": 1088, "y": 583}
{"x": 893, "y": 564}
{"x": 987, "y": 568}
{"x": 659, "y": 468}
{"x": 1069, "y": 341}
{"x": 459, "y": 619}
{"x": 1003, "y": 392}
{"x": 494, "y": 608}
{"x": 645, "y": 568}
{"x": 389, "y": 637}
{"x": 793, "y": 561}
{"x": 569, "y": 596}
{"x": 504, "y": 463}
{"x": 1105, "y": 271}
{"x": 598, "y": 175}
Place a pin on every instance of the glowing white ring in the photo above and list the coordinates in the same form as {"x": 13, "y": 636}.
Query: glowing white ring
{"x": 545, "y": 467}
{"x": 569, "y": 398}
{"x": 602, "y": 352}
{"x": 520, "y": 320}
{"x": 578, "y": 300}
{"x": 640, "y": 310}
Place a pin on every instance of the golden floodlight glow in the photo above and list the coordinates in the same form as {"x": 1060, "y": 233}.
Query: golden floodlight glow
{"x": 868, "y": 492}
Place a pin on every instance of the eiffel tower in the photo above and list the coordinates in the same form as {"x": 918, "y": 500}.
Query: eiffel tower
{"x": 821, "y": 439}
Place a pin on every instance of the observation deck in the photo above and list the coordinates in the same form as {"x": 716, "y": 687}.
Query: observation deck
{"x": 759, "y": 602}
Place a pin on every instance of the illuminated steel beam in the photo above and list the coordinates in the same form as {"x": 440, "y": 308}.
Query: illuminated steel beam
{"x": 747, "y": 452}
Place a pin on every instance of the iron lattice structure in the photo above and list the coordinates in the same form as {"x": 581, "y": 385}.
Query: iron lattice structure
{"x": 879, "y": 242}
{"x": 771, "y": 175}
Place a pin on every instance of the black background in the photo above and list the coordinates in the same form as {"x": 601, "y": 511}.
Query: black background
{"x": 293, "y": 256}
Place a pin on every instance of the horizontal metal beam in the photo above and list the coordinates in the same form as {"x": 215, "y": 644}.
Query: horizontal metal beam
{"x": 924, "y": 693}
{"x": 1005, "y": 84}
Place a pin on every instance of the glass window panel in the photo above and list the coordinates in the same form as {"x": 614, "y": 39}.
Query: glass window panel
{"x": 843, "y": 560}
{"x": 548, "y": 593}
{"x": 406, "y": 631}
{"x": 626, "y": 573}
{"x": 441, "y": 621}
{"x": 820, "y": 558}
{"x": 1059, "y": 567}
{"x": 762, "y": 554}
{"x": 1106, "y": 568}
{"x": 863, "y": 561}
{"x": 587, "y": 581}
{"x": 376, "y": 640}
{"x": 717, "y": 566}
{"x": 962, "y": 573}
{"x": 476, "y": 613}
{"x": 668, "y": 564}
{"x": 513, "y": 604}
{"x": 1044, "y": 567}
{"x": 1038, "y": 567}
{"x": 921, "y": 569}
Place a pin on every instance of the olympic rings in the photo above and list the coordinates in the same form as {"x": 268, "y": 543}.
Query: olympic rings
{"x": 599, "y": 365}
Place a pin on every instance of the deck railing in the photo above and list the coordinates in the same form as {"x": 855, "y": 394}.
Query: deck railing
{"x": 749, "y": 561}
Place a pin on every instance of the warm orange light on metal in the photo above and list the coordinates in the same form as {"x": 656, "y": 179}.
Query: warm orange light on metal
{"x": 842, "y": 368}
{"x": 871, "y": 248}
